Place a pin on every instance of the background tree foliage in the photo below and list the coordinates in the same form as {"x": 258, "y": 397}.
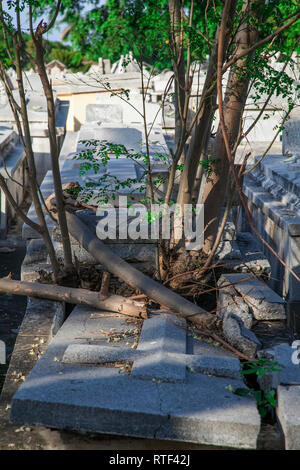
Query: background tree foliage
{"x": 74, "y": 60}
{"x": 111, "y": 28}
{"x": 115, "y": 27}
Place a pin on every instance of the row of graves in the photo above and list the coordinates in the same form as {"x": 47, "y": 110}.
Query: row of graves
{"x": 12, "y": 162}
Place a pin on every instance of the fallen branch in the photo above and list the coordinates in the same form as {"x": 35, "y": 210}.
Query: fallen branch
{"x": 134, "y": 278}
{"x": 113, "y": 303}
{"x": 227, "y": 345}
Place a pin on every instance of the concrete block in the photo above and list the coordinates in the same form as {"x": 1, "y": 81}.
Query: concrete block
{"x": 288, "y": 358}
{"x": 104, "y": 113}
{"x": 227, "y": 250}
{"x": 237, "y": 306}
{"x": 291, "y": 137}
{"x": 229, "y": 301}
{"x": 128, "y": 251}
{"x": 288, "y": 414}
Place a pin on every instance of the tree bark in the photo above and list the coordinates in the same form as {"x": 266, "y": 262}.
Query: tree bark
{"x": 202, "y": 127}
{"x": 233, "y": 106}
{"x": 31, "y": 163}
{"x": 54, "y": 152}
{"x": 175, "y": 11}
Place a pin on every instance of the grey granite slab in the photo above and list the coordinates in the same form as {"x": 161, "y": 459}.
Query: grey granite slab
{"x": 264, "y": 303}
{"x": 102, "y": 399}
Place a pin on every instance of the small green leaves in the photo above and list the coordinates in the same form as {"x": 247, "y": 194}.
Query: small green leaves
{"x": 265, "y": 399}
{"x": 208, "y": 164}
{"x": 260, "y": 367}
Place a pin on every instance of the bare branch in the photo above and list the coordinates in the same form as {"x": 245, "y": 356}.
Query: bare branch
{"x": 258, "y": 44}
{"x": 54, "y": 16}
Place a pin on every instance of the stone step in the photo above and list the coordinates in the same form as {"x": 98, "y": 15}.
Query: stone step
{"x": 284, "y": 174}
{"x": 277, "y": 211}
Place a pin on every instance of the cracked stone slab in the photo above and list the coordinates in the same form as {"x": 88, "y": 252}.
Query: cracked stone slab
{"x": 239, "y": 336}
{"x": 88, "y": 397}
{"x": 230, "y": 301}
{"x": 264, "y": 303}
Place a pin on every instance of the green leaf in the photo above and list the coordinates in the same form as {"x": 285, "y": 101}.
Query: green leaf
{"x": 242, "y": 392}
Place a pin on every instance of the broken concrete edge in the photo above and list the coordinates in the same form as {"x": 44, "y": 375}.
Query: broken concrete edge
{"x": 287, "y": 385}
{"x": 243, "y": 298}
{"x": 142, "y": 412}
{"x": 239, "y": 336}
{"x": 262, "y": 301}
{"x": 288, "y": 415}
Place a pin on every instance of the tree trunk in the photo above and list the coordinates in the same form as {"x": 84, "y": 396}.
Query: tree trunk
{"x": 233, "y": 106}
{"x": 31, "y": 163}
{"x": 175, "y": 11}
{"x": 202, "y": 128}
{"x": 54, "y": 153}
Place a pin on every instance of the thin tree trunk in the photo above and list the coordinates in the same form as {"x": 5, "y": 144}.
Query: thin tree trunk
{"x": 31, "y": 164}
{"x": 175, "y": 11}
{"x": 54, "y": 152}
